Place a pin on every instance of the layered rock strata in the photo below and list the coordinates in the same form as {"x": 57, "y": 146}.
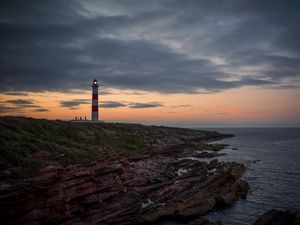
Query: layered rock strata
{"x": 142, "y": 189}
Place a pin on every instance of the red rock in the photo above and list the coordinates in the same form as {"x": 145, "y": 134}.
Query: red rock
{"x": 5, "y": 174}
{"x": 102, "y": 193}
{"x": 238, "y": 170}
{"x": 275, "y": 217}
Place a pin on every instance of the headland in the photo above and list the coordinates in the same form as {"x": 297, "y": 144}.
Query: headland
{"x": 58, "y": 172}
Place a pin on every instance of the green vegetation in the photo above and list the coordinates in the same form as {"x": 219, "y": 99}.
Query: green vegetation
{"x": 35, "y": 143}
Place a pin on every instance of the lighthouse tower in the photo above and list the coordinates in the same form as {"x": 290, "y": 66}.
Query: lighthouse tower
{"x": 95, "y": 115}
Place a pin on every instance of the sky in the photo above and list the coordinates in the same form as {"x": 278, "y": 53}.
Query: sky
{"x": 192, "y": 63}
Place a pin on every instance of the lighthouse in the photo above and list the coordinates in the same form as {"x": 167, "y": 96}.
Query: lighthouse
{"x": 95, "y": 115}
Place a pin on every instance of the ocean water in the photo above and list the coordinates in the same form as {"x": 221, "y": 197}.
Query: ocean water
{"x": 272, "y": 158}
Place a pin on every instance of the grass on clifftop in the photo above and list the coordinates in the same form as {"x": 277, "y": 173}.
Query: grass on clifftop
{"x": 35, "y": 143}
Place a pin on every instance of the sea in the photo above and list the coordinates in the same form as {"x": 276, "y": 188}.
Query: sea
{"x": 272, "y": 158}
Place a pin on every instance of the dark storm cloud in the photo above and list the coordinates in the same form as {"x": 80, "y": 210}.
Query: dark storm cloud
{"x": 164, "y": 46}
{"x": 145, "y": 105}
{"x": 73, "y": 103}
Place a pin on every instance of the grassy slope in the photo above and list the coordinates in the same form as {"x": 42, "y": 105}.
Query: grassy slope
{"x": 36, "y": 143}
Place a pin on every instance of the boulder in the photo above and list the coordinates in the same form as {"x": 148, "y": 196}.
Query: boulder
{"x": 276, "y": 217}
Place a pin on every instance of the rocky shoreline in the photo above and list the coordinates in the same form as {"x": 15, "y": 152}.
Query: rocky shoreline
{"x": 276, "y": 217}
{"x": 62, "y": 173}
{"x": 156, "y": 186}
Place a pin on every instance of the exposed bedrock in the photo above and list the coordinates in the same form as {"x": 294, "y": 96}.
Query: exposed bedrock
{"x": 276, "y": 217}
{"x": 140, "y": 175}
{"x": 145, "y": 190}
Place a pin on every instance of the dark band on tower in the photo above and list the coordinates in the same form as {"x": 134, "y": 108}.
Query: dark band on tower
{"x": 95, "y": 115}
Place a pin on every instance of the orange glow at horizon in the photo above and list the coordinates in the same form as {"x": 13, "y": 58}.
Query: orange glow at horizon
{"x": 241, "y": 104}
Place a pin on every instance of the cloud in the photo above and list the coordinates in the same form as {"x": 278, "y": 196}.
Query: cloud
{"x": 7, "y": 109}
{"x": 134, "y": 105}
{"x": 41, "y": 110}
{"x": 17, "y": 93}
{"x": 111, "y": 104}
{"x": 22, "y": 103}
{"x": 145, "y": 105}
{"x": 73, "y": 108}
{"x": 73, "y": 103}
{"x": 19, "y": 105}
{"x": 180, "y": 106}
{"x": 106, "y": 92}
{"x": 160, "y": 46}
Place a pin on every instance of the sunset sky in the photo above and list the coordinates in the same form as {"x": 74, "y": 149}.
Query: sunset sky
{"x": 181, "y": 63}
